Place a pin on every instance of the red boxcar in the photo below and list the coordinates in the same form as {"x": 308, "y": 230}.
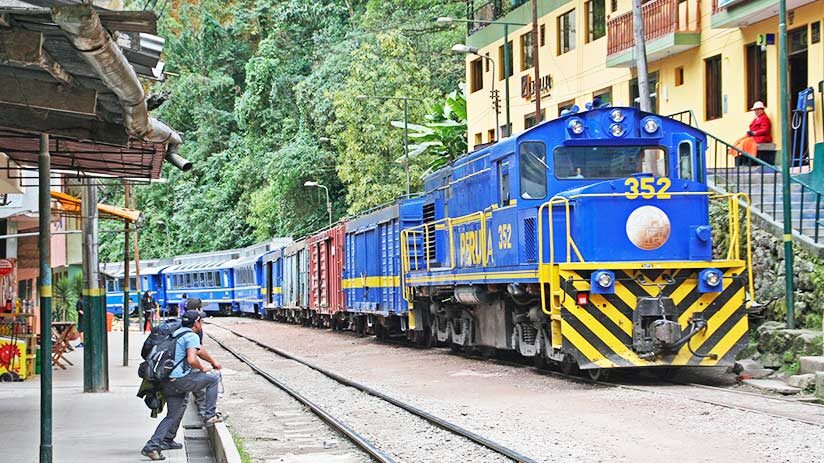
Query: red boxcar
{"x": 326, "y": 296}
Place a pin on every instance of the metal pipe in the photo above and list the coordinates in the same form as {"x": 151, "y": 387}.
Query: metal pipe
{"x": 44, "y": 242}
{"x": 784, "y": 106}
{"x": 126, "y": 278}
{"x": 641, "y": 57}
{"x": 83, "y": 28}
{"x": 37, "y": 233}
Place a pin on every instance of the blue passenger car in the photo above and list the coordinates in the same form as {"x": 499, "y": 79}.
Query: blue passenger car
{"x": 211, "y": 282}
{"x": 272, "y": 290}
{"x": 248, "y": 274}
{"x": 371, "y": 276}
{"x": 114, "y": 294}
{"x": 151, "y": 279}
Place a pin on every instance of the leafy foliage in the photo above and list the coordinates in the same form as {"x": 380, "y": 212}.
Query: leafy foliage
{"x": 256, "y": 84}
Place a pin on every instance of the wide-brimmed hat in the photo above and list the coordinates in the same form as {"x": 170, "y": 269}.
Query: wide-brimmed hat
{"x": 758, "y": 105}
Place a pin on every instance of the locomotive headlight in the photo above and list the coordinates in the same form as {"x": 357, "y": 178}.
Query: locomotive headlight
{"x": 616, "y": 130}
{"x": 650, "y": 126}
{"x": 709, "y": 280}
{"x": 616, "y": 115}
{"x": 712, "y": 278}
{"x": 575, "y": 126}
{"x": 602, "y": 282}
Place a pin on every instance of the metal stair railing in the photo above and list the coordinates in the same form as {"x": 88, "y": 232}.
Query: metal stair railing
{"x": 738, "y": 177}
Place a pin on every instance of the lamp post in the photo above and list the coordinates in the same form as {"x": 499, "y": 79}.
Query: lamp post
{"x": 328, "y": 203}
{"x": 168, "y": 240}
{"x": 406, "y": 101}
{"x": 468, "y": 50}
{"x": 446, "y": 20}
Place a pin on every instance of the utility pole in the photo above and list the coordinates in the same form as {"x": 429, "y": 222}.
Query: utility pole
{"x": 537, "y": 80}
{"x": 95, "y": 350}
{"x": 641, "y": 56}
{"x": 44, "y": 242}
{"x": 785, "y": 162}
{"x": 126, "y": 278}
{"x": 139, "y": 288}
{"x": 405, "y": 152}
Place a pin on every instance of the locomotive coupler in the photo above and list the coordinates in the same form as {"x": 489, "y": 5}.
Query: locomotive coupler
{"x": 654, "y": 326}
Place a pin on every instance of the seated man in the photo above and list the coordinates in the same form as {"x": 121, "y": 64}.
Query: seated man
{"x": 188, "y": 376}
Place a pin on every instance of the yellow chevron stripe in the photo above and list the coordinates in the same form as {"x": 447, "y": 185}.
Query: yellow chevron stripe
{"x": 698, "y": 306}
{"x": 585, "y": 347}
{"x": 682, "y": 291}
{"x": 612, "y": 313}
{"x": 625, "y": 295}
{"x": 727, "y": 342}
{"x": 605, "y": 335}
{"x": 717, "y": 320}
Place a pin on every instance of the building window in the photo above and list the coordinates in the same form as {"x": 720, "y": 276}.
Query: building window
{"x": 490, "y": 135}
{"x": 815, "y": 32}
{"x": 565, "y": 105}
{"x": 679, "y": 76}
{"x": 756, "y": 75}
{"x": 542, "y": 35}
{"x": 635, "y": 96}
{"x": 527, "y": 57}
{"x": 479, "y": 138}
{"x": 604, "y": 96}
{"x": 507, "y": 63}
{"x": 596, "y": 19}
{"x": 614, "y": 5}
{"x": 712, "y": 87}
{"x": 476, "y": 75}
{"x": 530, "y": 120}
{"x": 566, "y": 32}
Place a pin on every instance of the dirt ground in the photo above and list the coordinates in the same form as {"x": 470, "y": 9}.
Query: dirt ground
{"x": 548, "y": 418}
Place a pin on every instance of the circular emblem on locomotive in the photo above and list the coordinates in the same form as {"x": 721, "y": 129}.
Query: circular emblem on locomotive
{"x": 648, "y": 227}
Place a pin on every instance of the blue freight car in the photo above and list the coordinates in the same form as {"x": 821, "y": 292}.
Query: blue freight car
{"x": 272, "y": 281}
{"x": 583, "y": 240}
{"x": 371, "y": 276}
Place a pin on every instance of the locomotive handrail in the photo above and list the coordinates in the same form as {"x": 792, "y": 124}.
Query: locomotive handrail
{"x": 734, "y": 229}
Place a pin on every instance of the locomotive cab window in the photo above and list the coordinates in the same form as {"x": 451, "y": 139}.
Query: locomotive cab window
{"x": 609, "y": 162}
{"x": 685, "y": 170}
{"x": 503, "y": 184}
{"x": 532, "y": 165}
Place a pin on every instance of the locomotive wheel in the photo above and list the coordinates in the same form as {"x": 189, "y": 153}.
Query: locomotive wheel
{"x": 598, "y": 374}
{"x": 568, "y": 365}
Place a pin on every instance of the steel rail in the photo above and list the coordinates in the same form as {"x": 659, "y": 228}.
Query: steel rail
{"x": 439, "y": 422}
{"x": 353, "y": 436}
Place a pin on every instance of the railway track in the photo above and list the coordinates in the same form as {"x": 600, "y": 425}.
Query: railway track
{"x": 374, "y": 450}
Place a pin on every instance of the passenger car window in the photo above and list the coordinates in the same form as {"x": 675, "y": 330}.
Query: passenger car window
{"x": 608, "y": 162}
{"x": 533, "y": 169}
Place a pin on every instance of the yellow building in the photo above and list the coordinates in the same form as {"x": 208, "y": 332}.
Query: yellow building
{"x": 704, "y": 56}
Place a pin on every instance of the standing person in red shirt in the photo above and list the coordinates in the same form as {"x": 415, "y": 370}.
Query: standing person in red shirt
{"x": 760, "y": 132}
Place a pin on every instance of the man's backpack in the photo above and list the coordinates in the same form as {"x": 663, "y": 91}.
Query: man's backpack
{"x": 158, "y": 352}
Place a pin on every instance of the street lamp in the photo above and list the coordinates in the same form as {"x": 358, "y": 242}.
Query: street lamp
{"x": 168, "y": 240}
{"x": 406, "y": 101}
{"x": 470, "y": 50}
{"x": 328, "y": 203}
{"x": 324, "y": 140}
{"x": 447, "y": 21}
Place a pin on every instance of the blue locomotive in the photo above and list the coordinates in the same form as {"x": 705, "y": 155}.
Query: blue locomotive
{"x": 584, "y": 240}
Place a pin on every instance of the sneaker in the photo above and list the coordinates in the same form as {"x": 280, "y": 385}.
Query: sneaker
{"x": 171, "y": 445}
{"x": 152, "y": 454}
{"x": 213, "y": 420}
{"x": 79, "y": 346}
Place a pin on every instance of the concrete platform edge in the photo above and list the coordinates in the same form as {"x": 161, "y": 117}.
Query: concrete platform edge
{"x": 223, "y": 445}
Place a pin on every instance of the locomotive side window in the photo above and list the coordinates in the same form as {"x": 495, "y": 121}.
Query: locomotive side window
{"x": 685, "y": 170}
{"x": 503, "y": 184}
{"x": 533, "y": 170}
{"x": 609, "y": 162}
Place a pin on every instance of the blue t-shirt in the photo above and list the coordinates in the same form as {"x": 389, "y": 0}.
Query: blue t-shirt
{"x": 185, "y": 342}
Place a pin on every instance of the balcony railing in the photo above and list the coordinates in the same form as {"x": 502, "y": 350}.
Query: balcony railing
{"x": 661, "y": 17}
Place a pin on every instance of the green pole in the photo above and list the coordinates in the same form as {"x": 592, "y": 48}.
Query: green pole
{"x": 44, "y": 199}
{"x": 783, "y": 91}
{"x": 95, "y": 351}
{"x": 126, "y": 281}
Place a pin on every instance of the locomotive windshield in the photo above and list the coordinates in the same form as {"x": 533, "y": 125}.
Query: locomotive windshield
{"x": 533, "y": 170}
{"x": 609, "y": 162}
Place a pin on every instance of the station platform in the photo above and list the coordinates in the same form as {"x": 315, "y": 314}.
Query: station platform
{"x": 108, "y": 427}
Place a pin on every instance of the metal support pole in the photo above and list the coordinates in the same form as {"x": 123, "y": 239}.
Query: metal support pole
{"x": 44, "y": 242}
{"x": 405, "y": 147}
{"x": 126, "y": 280}
{"x": 138, "y": 287}
{"x": 785, "y": 161}
{"x": 95, "y": 350}
{"x": 535, "y": 56}
{"x": 507, "y": 71}
{"x": 641, "y": 56}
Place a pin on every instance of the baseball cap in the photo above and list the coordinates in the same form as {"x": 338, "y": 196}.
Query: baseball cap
{"x": 189, "y": 318}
